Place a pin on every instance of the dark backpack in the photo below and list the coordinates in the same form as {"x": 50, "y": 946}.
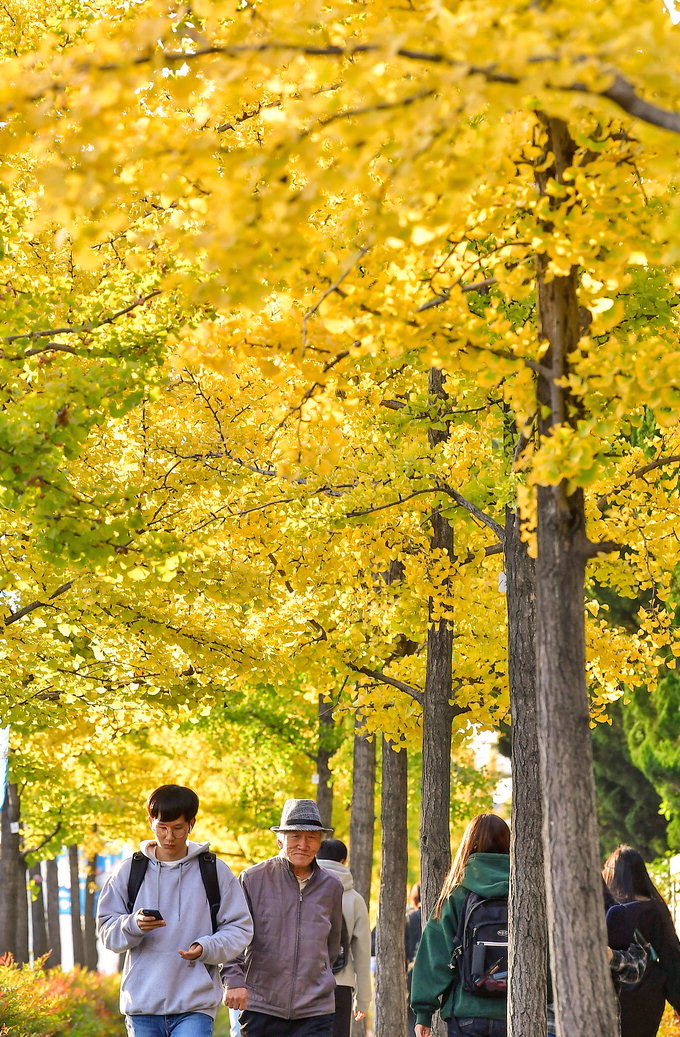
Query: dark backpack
{"x": 480, "y": 952}
{"x": 343, "y": 954}
{"x": 207, "y": 862}
{"x": 632, "y": 923}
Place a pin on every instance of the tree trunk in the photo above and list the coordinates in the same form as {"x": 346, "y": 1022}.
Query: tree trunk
{"x": 38, "y": 928}
{"x": 390, "y": 989}
{"x": 438, "y": 714}
{"x": 574, "y": 891}
{"x": 76, "y": 923}
{"x": 325, "y": 749}
{"x": 362, "y": 821}
{"x": 583, "y": 990}
{"x": 10, "y": 870}
{"x": 362, "y": 825}
{"x": 21, "y": 953}
{"x": 528, "y": 937}
{"x": 89, "y": 919}
{"x": 53, "y": 931}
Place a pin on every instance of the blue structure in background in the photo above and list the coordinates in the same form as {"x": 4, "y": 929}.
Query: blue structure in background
{"x": 4, "y": 754}
{"x": 104, "y": 864}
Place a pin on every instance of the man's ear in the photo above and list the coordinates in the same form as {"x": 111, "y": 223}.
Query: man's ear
{"x": 192, "y": 822}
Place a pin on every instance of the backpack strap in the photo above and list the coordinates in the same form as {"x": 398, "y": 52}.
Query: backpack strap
{"x": 207, "y": 862}
{"x": 459, "y": 938}
{"x": 138, "y": 866}
{"x": 342, "y": 959}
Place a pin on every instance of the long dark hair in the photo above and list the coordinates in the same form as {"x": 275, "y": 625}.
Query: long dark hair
{"x": 627, "y": 878}
{"x": 486, "y": 833}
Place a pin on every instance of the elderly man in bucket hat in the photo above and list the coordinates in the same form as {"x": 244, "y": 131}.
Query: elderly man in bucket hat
{"x": 283, "y": 985}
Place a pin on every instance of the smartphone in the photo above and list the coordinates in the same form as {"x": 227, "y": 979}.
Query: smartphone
{"x": 152, "y": 914}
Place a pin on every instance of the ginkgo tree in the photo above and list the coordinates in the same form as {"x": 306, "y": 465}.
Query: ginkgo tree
{"x": 357, "y": 170}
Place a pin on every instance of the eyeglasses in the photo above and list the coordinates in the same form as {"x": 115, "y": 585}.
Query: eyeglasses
{"x": 175, "y": 828}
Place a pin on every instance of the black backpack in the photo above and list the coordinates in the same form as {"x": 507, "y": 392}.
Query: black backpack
{"x": 625, "y": 925}
{"x": 207, "y": 862}
{"x": 343, "y": 954}
{"x": 480, "y": 951}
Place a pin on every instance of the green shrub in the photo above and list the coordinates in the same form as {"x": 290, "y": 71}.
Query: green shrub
{"x": 39, "y": 1002}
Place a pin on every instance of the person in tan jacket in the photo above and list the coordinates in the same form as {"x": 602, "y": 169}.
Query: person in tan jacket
{"x": 283, "y": 985}
{"x": 353, "y": 990}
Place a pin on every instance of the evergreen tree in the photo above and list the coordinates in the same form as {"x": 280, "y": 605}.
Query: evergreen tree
{"x": 627, "y": 802}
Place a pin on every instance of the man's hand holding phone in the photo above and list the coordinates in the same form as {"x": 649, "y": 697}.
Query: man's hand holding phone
{"x": 149, "y": 919}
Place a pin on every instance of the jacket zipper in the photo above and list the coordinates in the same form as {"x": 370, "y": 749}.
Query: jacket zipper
{"x": 297, "y": 949}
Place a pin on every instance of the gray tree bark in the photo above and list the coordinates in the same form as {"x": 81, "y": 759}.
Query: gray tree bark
{"x": 362, "y": 825}
{"x": 10, "y": 870}
{"x": 76, "y": 921}
{"x": 528, "y": 937}
{"x": 21, "y": 953}
{"x": 390, "y": 989}
{"x": 438, "y": 713}
{"x": 325, "y": 749}
{"x": 584, "y": 996}
{"x": 362, "y": 819}
{"x": 53, "y": 932}
{"x": 89, "y": 927}
{"x": 39, "y": 945}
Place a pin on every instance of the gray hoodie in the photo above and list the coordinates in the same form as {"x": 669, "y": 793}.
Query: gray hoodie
{"x": 357, "y": 971}
{"x": 156, "y": 981}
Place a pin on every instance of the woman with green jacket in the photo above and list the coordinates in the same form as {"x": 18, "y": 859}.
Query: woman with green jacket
{"x": 482, "y": 866}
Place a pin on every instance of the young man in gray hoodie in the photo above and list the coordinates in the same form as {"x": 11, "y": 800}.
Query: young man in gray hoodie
{"x": 171, "y": 982}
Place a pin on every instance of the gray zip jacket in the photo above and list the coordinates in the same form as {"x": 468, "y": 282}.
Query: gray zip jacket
{"x": 156, "y": 981}
{"x": 287, "y": 967}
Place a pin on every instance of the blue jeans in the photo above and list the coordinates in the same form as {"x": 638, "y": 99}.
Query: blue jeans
{"x": 478, "y": 1027}
{"x": 186, "y": 1024}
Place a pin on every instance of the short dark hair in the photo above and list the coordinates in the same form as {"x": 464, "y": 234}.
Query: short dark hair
{"x": 168, "y": 802}
{"x": 332, "y": 850}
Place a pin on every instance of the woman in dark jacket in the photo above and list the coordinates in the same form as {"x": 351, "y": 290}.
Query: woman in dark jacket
{"x": 482, "y": 866}
{"x": 629, "y": 883}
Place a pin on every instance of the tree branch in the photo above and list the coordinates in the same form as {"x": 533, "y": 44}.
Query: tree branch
{"x": 392, "y": 681}
{"x": 480, "y": 515}
{"x": 329, "y": 291}
{"x": 45, "y": 841}
{"x": 369, "y": 109}
{"x": 391, "y": 504}
{"x": 478, "y": 286}
{"x": 507, "y": 354}
{"x": 14, "y": 617}
{"x": 310, "y": 391}
{"x": 71, "y": 329}
{"x": 621, "y": 92}
{"x": 602, "y": 501}
{"x": 604, "y": 547}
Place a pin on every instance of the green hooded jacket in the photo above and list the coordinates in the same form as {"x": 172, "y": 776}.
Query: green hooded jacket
{"x": 433, "y": 983}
